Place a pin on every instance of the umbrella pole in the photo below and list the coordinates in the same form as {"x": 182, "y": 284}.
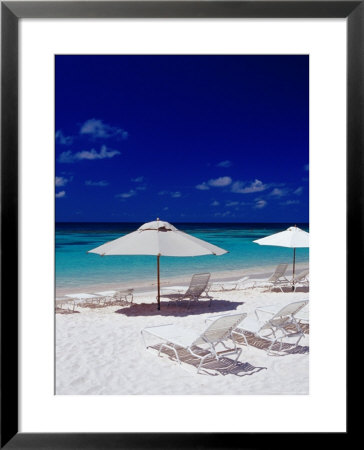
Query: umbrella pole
{"x": 159, "y": 286}
{"x": 294, "y": 263}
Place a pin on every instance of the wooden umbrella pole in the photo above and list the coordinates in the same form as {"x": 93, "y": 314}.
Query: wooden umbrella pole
{"x": 159, "y": 284}
{"x": 294, "y": 263}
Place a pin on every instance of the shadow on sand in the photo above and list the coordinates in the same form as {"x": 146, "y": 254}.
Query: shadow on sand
{"x": 66, "y": 311}
{"x": 262, "y": 344}
{"x": 288, "y": 289}
{"x": 223, "y": 366}
{"x": 179, "y": 310}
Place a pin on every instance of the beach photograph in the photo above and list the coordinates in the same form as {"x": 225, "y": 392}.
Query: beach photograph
{"x": 181, "y": 225}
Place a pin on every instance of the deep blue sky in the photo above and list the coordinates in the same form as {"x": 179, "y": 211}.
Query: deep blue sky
{"x": 183, "y": 138}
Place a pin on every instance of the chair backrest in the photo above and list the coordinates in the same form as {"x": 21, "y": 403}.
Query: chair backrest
{"x": 291, "y": 309}
{"x": 241, "y": 280}
{"x": 301, "y": 276}
{"x": 279, "y": 272}
{"x": 221, "y": 328}
{"x": 284, "y": 315}
{"x": 198, "y": 284}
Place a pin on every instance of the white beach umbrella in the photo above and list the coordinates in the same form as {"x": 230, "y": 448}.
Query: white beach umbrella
{"x": 293, "y": 237}
{"x": 161, "y": 239}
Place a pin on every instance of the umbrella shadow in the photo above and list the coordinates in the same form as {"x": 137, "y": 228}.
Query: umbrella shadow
{"x": 173, "y": 309}
{"x": 103, "y": 305}
{"x": 213, "y": 367}
{"x": 65, "y": 311}
{"x": 289, "y": 289}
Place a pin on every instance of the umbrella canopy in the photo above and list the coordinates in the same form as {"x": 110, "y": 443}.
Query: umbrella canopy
{"x": 161, "y": 239}
{"x": 293, "y": 237}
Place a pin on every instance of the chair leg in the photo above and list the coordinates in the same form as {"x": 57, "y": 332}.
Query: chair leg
{"x": 171, "y": 348}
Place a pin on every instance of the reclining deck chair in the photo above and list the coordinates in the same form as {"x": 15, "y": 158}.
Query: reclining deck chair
{"x": 241, "y": 283}
{"x": 113, "y": 297}
{"x": 200, "y": 345}
{"x": 280, "y": 326}
{"x": 301, "y": 279}
{"x": 198, "y": 285}
{"x": 60, "y": 302}
{"x": 277, "y": 279}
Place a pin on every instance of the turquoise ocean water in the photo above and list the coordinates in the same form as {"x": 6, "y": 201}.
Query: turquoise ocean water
{"x": 74, "y": 267}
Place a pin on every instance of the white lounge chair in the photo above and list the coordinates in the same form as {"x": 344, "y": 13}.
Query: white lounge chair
{"x": 280, "y": 326}
{"x": 301, "y": 279}
{"x": 199, "y": 285}
{"x": 241, "y": 283}
{"x": 200, "y": 345}
{"x": 110, "y": 297}
{"x": 84, "y": 298}
{"x": 60, "y": 303}
{"x": 277, "y": 279}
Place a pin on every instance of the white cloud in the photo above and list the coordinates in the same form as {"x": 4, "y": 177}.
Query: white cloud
{"x": 129, "y": 194}
{"x": 92, "y": 154}
{"x": 66, "y": 157}
{"x": 278, "y": 192}
{"x": 290, "y": 202}
{"x": 226, "y": 164}
{"x": 220, "y": 182}
{"x": 96, "y": 183}
{"x": 240, "y": 187}
{"x": 96, "y": 128}
{"x": 104, "y": 153}
{"x": 202, "y": 187}
{"x": 222, "y": 214}
{"x": 215, "y": 203}
{"x": 306, "y": 167}
{"x": 298, "y": 191}
{"x": 260, "y": 204}
{"x": 62, "y": 181}
{"x": 232, "y": 203}
{"x": 138, "y": 179}
{"x": 62, "y": 139}
{"x": 176, "y": 194}
{"x": 61, "y": 194}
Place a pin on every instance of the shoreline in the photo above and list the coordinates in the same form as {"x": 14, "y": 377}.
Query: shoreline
{"x": 150, "y": 285}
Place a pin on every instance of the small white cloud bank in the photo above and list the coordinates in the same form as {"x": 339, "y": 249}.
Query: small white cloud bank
{"x": 62, "y": 139}
{"x": 241, "y": 187}
{"x": 138, "y": 179}
{"x": 96, "y": 128}
{"x": 298, "y": 191}
{"x": 224, "y": 164}
{"x": 101, "y": 183}
{"x": 290, "y": 202}
{"x": 277, "y": 192}
{"x": 124, "y": 195}
{"x": 232, "y": 203}
{"x": 175, "y": 194}
{"x": 220, "y": 182}
{"x": 62, "y": 181}
{"x": 260, "y": 203}
{"x": 104, "y": 153}
{"x": 60, "y": 194}
{"x": 202, "y": 187}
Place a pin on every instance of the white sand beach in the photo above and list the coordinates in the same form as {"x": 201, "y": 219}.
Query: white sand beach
{"x": 100, "y": 350}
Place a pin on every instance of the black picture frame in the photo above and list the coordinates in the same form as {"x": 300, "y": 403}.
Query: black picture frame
{"x": 11, "y": 12}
